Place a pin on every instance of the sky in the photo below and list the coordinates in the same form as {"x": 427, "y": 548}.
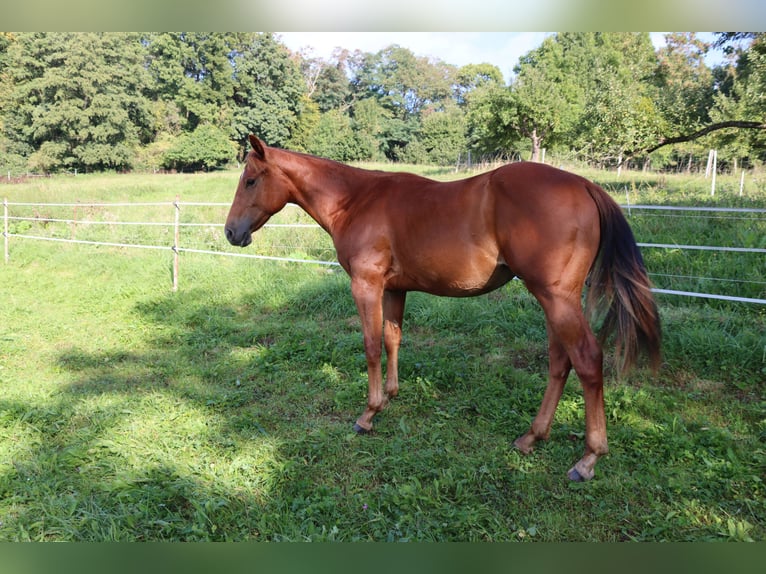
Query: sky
{"x": 503, "y": 49}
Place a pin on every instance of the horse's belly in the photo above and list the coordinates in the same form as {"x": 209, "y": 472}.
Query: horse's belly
{"x": 469, "y": 287}
{"x": 454, "y": 278}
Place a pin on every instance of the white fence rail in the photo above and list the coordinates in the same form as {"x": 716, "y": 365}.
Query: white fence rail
{"x": 177, "y": 225}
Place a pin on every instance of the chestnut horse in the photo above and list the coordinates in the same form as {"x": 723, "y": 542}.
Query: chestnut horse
{"x": 398, "y": 232}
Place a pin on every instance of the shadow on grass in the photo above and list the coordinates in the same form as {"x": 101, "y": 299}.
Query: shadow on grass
{"x": 232, "y": 421}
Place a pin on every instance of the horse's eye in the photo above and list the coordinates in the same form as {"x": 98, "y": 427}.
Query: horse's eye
{"x": 250, "y": 182}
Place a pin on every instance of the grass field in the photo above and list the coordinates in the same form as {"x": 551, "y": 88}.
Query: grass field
{"x": 224, "y": 411}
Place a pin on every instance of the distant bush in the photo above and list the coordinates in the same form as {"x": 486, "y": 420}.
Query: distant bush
{"x": 207, "y": 147}
{"x": 335, "y": 138}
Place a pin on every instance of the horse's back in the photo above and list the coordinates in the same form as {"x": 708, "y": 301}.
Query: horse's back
{"x": 470, "y": 236}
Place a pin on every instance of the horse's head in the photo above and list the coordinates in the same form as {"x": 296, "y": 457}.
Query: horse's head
{"x": 263, "y": 190}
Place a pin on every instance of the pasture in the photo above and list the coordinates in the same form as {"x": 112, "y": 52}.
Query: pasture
{"x": 223, "y": 411}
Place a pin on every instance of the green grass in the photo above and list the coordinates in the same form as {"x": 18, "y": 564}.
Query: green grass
{"x": 224, "y": 411}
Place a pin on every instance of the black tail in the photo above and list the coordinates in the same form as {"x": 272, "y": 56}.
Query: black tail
{"x": 620, "y": 294}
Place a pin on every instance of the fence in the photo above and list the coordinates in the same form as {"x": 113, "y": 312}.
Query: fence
{"x": 176, "y": 225}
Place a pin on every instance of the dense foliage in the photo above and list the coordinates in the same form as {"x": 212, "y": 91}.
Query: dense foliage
{"x": 116, "y": 101}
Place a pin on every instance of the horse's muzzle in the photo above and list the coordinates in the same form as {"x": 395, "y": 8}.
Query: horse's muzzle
{"x": 242, "y": 237}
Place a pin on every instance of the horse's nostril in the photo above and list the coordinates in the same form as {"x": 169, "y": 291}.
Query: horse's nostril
{"x": 237, "y": 238}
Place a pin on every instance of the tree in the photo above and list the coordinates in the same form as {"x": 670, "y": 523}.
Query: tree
{"x": 404, "y": 83}
{"x": 370, "y": 121}
{"x": 240, "y": 82}
{"x": 334, "y": 138}
{"x": 586, "y": 89}
{"x": 75, "y": 101}
{"x": 7, "y": 160}
{"x": 541, "y": 110}
{"x": 327, "y": 81}
{"x": 268, "y": 90}
{"x": 619, "y": 119}
{"x": 193, "y": 70}
{"x": 475, "y": 88}
{"x": 115, "y": 101}
{"x": 490, "y": 119}
{"x": 543, "y": 101}
{"x": 684, "y": 89}
{"x": 396, "y": 135}
{"x": 471, "y": 77}
{"x": 738, "y": 103}
{"x": 745, "y": 104}
{"x": 618, "y": 111}
{"x": 685, "y": 82}
{"x": 305, "y": 128}
{"x": 442, "y": 135}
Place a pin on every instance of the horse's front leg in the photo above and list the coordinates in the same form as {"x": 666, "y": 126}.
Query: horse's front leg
{"x": 368, "y": 296}
{"x": 393, "y": 314}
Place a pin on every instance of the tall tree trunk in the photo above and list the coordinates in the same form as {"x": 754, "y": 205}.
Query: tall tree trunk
{"x": 535, "y": 145}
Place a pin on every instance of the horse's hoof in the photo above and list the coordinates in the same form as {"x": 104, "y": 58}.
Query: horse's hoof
{"x": 575, "y": 476}
{"x": 361, "y": 430}
{"x": 523, "y": 446}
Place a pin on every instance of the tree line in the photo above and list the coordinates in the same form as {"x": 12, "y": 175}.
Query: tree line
{"x": 187, "y": 101}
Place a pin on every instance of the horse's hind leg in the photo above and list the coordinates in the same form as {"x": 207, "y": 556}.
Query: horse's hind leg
{"x": 568, "y": 325}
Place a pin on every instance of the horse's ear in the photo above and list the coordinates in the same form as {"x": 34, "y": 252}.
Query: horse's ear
{"x": 258, "y": 147}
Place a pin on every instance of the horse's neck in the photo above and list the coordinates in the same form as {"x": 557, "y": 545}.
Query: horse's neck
{"x": 321, "y": 188}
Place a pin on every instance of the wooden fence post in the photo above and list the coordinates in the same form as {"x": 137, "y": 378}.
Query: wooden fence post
{"x": 5, "y": 226}
{"x": 175, "y": 243}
